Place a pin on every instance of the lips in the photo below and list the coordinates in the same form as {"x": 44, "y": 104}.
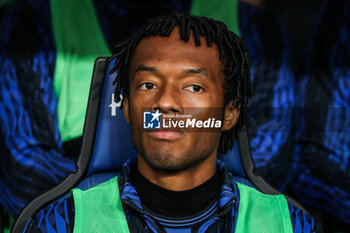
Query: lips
{"x": 166, "y": 134}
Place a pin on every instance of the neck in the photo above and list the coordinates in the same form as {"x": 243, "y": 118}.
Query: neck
{"x": 163, "y": 202}
{"x": 180, "y": 180}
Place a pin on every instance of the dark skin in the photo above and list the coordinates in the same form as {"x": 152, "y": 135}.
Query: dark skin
{"x": 170, "y": 75}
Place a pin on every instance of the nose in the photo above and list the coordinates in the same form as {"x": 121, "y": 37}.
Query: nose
{"x": 168, "y": 100}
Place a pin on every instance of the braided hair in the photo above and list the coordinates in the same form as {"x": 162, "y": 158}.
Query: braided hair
{"x": 233, "y": 53}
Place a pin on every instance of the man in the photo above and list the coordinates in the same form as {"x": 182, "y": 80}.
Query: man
{"x": 174, "y": 65}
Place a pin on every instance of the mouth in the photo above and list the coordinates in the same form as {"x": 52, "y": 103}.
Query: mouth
{"x": 166, "y": 134}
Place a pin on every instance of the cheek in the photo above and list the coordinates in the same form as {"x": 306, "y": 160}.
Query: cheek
{"x": 202, "y": 141}
{"x": 135, "y": 116}
{"x": 136, "y": 128}
{"x": 213, "y": 98}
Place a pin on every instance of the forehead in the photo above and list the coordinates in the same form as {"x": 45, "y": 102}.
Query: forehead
{"x": 157, "y": 50}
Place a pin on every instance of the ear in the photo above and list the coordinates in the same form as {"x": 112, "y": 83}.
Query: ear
{"x": 126, "y": 108}
{"x": 231, "y": 115}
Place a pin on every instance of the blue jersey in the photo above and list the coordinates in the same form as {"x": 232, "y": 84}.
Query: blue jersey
{"x": 322, "y": 147}
{"x": 220, "y": 216}
{"x": 270, "y": 110}
{"x": 31, "y": 154}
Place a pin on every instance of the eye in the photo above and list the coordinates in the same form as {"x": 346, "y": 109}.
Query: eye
{"x": 195, "y": 88}
{"x": 147, "y": 86}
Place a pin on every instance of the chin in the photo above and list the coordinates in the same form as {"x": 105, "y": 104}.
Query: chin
{"x": 170, "y": 162}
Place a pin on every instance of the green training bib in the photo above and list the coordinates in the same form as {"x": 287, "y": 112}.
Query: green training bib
{"x": 99, "y": 209}
{"x": 79, "y": 41}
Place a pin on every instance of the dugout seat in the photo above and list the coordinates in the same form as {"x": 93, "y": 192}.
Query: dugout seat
{"x": 107, "y": 145}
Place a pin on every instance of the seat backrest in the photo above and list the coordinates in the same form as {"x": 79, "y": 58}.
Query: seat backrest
{"x": 107, "y": 145}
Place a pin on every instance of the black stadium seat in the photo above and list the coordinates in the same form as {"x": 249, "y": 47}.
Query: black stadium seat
{"x": 107, "y": 145}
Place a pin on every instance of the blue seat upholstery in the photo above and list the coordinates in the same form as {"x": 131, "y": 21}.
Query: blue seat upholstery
{"x": 113, "y": 144}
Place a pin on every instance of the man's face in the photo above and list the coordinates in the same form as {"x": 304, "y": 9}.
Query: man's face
{"x": 170, "y": 75}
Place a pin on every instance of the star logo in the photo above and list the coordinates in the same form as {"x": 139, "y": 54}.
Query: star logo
{"x": 156, "y": 115}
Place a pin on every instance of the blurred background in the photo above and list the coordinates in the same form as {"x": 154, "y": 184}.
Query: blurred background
{"x": 298, "y": 118}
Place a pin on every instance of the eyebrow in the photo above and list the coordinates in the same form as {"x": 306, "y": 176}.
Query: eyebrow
{"x": 141, "y": 68}
{"x": 200, "y": 71}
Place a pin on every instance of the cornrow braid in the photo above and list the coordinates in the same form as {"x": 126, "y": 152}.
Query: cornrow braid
{"x": 232, "y": 50}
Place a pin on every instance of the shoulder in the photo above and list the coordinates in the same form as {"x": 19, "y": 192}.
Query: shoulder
{"x": 53, "y": 218}
{"x": 60, "y": 215}
{"x": 302, "y": 221}
{"x": 275, "y": 205}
